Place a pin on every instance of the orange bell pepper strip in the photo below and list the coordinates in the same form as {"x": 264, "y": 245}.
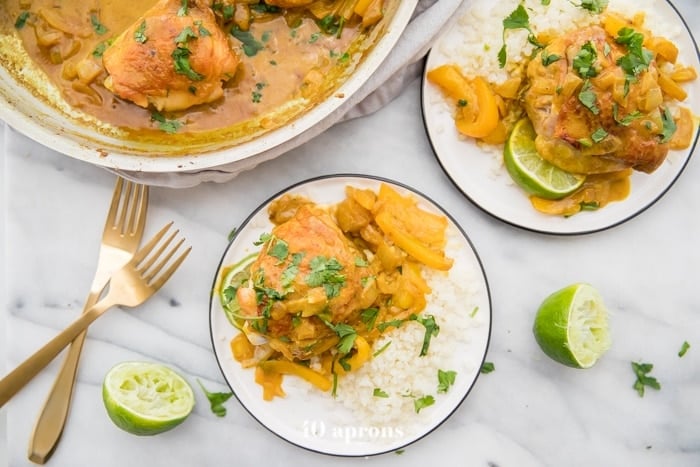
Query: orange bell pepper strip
{"x": 286, "y": 367}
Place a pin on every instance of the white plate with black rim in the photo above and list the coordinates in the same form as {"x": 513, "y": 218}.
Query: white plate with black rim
{"x": 481, "y": 177}
{"x": 315, "y": 420}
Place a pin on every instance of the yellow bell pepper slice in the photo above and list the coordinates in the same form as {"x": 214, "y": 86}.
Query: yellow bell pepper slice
{"x": 286, "y": 367}
{"x": 487, "y": 117}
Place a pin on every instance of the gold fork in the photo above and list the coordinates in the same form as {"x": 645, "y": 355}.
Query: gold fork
{"x": 129, "y": 286}
{"x": 120, "y": 240}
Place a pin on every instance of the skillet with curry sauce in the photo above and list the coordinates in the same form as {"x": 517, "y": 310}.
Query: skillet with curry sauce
{"x": 192, "y": 71}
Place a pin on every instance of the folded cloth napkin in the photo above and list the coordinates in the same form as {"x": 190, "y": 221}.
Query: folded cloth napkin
{"x": 400, "y": 68}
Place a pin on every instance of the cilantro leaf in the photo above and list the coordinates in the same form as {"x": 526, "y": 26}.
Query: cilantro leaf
{"x": 584, "y": 61}
{"x": 379, "y": 393}
{"x": 487, "y": 367}
{"x": 588, "y": 98}
{"x": 641, "y": 370}
{"x": 279, "y": 250}
{"x": 325, "y": 272}
{"x": 594, "y": 6}
{"x": 185, "y": 35}
{"x": 627, "y": 119}
{"x": 548, "y": 59}
{"x": 369, "y": 317}
{"x": 21, "y": 20}
{"x": 431, "y": 329}
{"x": 184, "y": 6}
{"x": 181, "y": 57}
{"x": 669, "y": 126}
{"x": 98, "y": 27}
{"x": 347, "y": 335}
{"x": 264, "y": 237}
{"x": 517, "y": 19}
{"x": 250, "y": 45}
{"x": 382, "y": 349}
{"x": 140, "y": 33}
{"x": 168, "y": 126}
{"x": 423, "y": 402}
{"x": 216, "y": 400}
{"x": 684, "y": 348}
{"x": 445, "y": 380}
{"x": 599, "y": 135}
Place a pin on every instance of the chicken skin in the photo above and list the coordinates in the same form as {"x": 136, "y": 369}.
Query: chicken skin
{"x": 596, "y": 119}
{"x": 171, "y": 58}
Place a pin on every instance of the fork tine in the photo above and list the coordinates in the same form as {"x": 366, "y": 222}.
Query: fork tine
{"x": 148, "y": 247}
{"x": 127, "y": 194}
{"x": 137, "y": 210}
{"x": 114, "y": 206}
{"x": 158, "y": 283}
{"x": 156, "y": 269}
{"x": 146, "y": 264}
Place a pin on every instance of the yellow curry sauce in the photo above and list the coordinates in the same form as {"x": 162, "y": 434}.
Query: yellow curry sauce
{"x": 287, "y": 63}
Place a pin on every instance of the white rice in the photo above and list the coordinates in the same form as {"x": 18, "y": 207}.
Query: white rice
{"x": 400, "y": 372}
{"x": 474, "y": 42}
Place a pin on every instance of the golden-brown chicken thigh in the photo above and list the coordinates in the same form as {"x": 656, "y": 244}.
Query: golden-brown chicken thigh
{"x": 172, "y": 58}
{"x": 577, "y": 119}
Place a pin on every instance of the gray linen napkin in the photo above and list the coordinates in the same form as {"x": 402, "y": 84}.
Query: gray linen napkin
{"x": 401, "y": 67}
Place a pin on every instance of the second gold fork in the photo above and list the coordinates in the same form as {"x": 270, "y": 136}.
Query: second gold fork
{"x": 120, "y": 239}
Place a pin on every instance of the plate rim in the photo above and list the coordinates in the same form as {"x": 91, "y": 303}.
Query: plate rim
{"x": 563, "y": 233}
{"x": 461, "y": 231}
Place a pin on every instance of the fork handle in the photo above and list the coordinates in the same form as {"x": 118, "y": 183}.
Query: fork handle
{"x": 52, "y": 418}
{"x": 20, "y": 376}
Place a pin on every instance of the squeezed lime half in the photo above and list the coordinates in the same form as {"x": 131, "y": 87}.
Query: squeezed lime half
{"x": 571, "y": 326}
{"x": 530, "y": 171}
{"x": 145, "y": 398}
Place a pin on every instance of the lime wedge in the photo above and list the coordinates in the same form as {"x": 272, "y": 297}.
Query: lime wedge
{"x": 146, "y": 398}
{"x": 532, "y": 173}
{"x": 571, "y": 326}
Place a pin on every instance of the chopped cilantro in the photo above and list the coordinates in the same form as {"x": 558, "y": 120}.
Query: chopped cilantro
{"x": 100, "y": 49}
{"x": 264, "y": 237}
{"x": 263, "y": 7}
{"x": 291, "y": 271}
{"x": 545, "y": 2}
{"x": 423, "y": 402}
{"x": 431, "y": 329}
{"x": 98, "y": 27}
{"x": 518, "y": 19}
{"x": 314, "y": 37}
{"x": 487, "y": 367}
{"x": 589, "y": 205}
{"x": 584, "y": 61}
{"x": 140, "y": 33}
{"x": 588, "y": 98}
{"x": 387, "y": 324}
{"x": 548, "y": 59}
{"x": 184, "y": 6}
{"x": 250, "y": 45}
{"x": 361, "y": 262}
{"x": 164, "y": 124}
{"x": 462, "y": 103}
{"x": 181, "y": 58}
{"x": 599, "y": 135}
{"x": 379, "y": 393}
{"x": 474, "y": 311}
{"x": 326, "y": 272}
{"x": 185, "y": 35}
{"x": 216, "y": 400}
{"x": 232, "y": 234}
{"x": 445, "y": 380}
{"x": 382, "y": 349}
{"x": 279, "y": 249}
{"x": 641, "y": 370}
{"x": 346, "y": 333}
{"x": 203, "y": 32}
{"x": 594, "y": 6}
{"x": 331, "y": 25}
{"x": 369, "y": 316}
{"x": 684, "y": 348}
{"x": 627, "y": 119}
{"x": 21, "y": 20}
{"x": 669, "y": 126}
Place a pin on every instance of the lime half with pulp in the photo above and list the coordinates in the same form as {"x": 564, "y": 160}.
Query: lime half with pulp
{"x": 571, "y": 326}
{"x": 530, "y": 171}
{"x": 146, "y": 398}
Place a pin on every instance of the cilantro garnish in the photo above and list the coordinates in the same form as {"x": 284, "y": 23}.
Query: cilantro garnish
{"x": 599, "y": 135}
{"x": 250, "y": 45}
{"x": 369, "y": 316}
{"x": 684, "y": 348}
{"x": 331, "y": 25}
{"x": 641, "y": 370}
{"x": 216, "y": 400}
{"x": 166, "y": 125}
{"x": 232, "y": 234}
{"x": 203, "y": 32}
{"x": 445, "y": 380}
{"x": 182, "y": 11}
{"x": 379, "y": 393}
{"x": 594, "y": 6}
{"x": 627, "y": 119}
{"x": 584, "y": 61}
{"x": 100, "y": 49}
{"x": 669, "y": 126}
{"x": 21, "y": 20}
{"x": 279, "y": 249}
{"x": 589, "y": 205}
{"x": 314, "y": 37}
{"x": 98, "y": 27}
{"x": 361, "y": 262}
{"x": 548, "y": 59}
{"x": 487, "y": 367}
{"x": 518, "y": 19}
{"x": 140, "y": 33}
{"x": 264, "y": 237}
{"x": 588, "y": 98}
{"x": 291, "y": 271}
{"x": 474, "y": 311}
{"x": 637, "y": 58}
{"x": 347, "y": 335}
{"x": 181, "y": 56}
{"x": 382, "y": 349}
{"x": 263, "y": 7}
{"x": 431, "y": 329}
{"x": 185, "y": 35}
{"x": 326, "y": 272}
{"x": 423, "y": 402}
{"x": 387, "y": 324}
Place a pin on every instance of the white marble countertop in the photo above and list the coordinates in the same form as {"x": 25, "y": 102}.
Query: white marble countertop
{"x": 530, "y": 411}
